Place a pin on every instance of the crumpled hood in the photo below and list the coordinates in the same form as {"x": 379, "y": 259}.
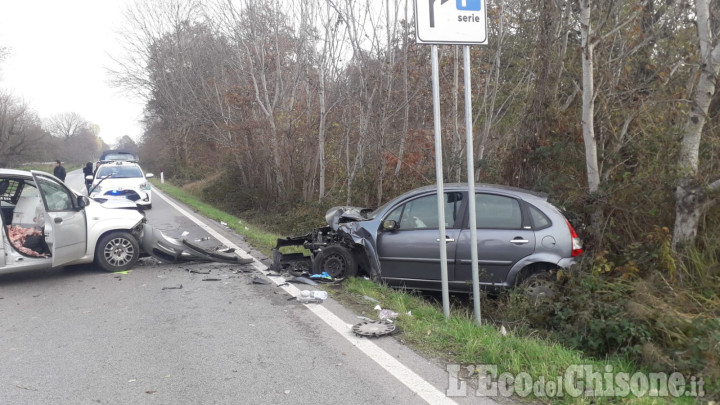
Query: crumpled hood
{"x": 341, "y": 214}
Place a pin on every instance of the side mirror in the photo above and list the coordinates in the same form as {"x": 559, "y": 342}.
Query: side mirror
{"x": 88, "y": 177}
{"x": 389, "y": 225}
{"x": 83, "y": 201}
{"x": 149, "y": 175}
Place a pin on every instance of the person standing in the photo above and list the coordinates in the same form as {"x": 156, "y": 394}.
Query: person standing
{"x": 59, "y": 171}
{"x": 88, "y": 171}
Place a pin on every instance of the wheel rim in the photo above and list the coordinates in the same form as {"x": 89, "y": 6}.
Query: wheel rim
{"x": 119, "y": 252}
{"x": 539, "y": 288}
{"x": 335, "y": 266}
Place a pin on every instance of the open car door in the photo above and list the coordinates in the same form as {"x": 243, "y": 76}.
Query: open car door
{"x": 170, "y": 250}
{"x": 65, "y": 224}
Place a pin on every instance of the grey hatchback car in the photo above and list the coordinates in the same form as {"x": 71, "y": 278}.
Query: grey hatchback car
{"x": 521, "y": 238}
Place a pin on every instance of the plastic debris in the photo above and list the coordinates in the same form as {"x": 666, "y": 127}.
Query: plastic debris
{"x": 371, "y": 299}
{"x": 175, "y": 287}
{"x": 312, "y": 296}
{"x": 211, "y": 279}
{"x": 185, "y": 233}
{"x": 324, "y": 276}
{"x": 503, "y": 331}
{"x": 387, "y": 315}
{"x": 223, "y": 223}
{"x": 258, "y": 280}
{"x": 302, "y": 280}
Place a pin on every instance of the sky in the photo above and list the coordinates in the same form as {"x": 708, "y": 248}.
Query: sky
{"x": 59, "y": 54}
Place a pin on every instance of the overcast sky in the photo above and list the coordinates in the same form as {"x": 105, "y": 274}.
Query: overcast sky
{"x": 58, "y": 61}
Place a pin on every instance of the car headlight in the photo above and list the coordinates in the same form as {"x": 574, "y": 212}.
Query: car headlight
{"x": 144, "y": 186}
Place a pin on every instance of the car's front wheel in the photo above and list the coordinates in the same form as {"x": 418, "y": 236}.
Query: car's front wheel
{"x": 117, "y": 251}
{"x": 337, "y": 261}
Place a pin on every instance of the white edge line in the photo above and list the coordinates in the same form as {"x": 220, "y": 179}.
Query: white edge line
{"x": 414, "y": 382}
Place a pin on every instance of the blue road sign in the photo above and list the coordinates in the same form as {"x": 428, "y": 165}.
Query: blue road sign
{"x": 470, "y": 5}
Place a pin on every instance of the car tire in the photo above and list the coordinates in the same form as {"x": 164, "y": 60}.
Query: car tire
{"x": 539, "y": 285}
{"x": 117, "y": 251}
{"x": 337, "y": 261}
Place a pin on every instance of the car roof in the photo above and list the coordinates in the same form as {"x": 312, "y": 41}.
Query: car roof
{"x": 516, "y": 191}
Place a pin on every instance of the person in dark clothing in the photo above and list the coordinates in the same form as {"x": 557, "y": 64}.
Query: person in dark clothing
{"x": 59, "y": 170}
{"x": 88, "y": 171}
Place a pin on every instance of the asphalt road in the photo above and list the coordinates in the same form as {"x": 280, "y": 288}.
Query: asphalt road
{"x": 195, "y": 333}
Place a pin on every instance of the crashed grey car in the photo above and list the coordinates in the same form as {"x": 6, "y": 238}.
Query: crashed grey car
{"x": 46, "y": 225}
{"x": 521, "y": 238}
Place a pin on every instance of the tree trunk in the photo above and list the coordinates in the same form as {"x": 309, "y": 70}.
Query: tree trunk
{"x": 691, "y": 198}
{"x": 588, "y": 98}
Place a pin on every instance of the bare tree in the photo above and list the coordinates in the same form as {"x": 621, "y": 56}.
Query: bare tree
{"x": 66, "y": 125}
{"x": 21, "y": 135}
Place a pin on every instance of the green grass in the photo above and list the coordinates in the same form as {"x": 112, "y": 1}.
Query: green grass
{"x": 457, "y": 340}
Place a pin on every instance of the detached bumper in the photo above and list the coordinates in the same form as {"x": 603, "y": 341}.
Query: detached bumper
{"x": 171, "y": 250}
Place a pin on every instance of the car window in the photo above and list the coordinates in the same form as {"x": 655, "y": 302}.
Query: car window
{"x": 120, "y": 172}
{"x": 57, "y": 197}
{"x": 539, "y": 219}
{"x": 421, "y": 213}
{"x": 498, "y": 212}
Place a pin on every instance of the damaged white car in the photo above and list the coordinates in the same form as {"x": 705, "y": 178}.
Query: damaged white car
{"x": 47, "y": 225}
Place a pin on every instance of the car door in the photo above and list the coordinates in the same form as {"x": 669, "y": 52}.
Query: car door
{"x": 65, "y": 224}
{"x": 410, "y": 255}
{"x": 504, "y": 236}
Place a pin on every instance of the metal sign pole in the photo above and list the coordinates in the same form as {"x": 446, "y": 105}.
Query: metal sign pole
{"x": 439, "y": 180}
{"x": 471, "y": 184}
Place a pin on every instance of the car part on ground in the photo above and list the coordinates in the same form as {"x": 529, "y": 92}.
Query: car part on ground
{"x": 519, "y": 233}
{"x": 373, "y": 328}
{"x": 170, "y": 250}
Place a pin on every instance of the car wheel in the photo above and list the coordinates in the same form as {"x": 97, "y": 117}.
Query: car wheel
{"x": 337, "y": 261}
{"x": 539, "y": 285}
{"x": 117, "y": 251}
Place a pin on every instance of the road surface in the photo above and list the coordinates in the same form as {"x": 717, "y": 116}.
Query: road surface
{"x": 195, "y": 333}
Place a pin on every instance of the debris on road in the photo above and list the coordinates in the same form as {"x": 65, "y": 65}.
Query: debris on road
{"x": 211, "y": 279}
{"x": 175, "y": 287}
{"x": 258, "y": 280}
{"x": 373, "y": 329}
{"x": 302, "y": 280}
{"x": 199, "y": 271}
{"x": 317, "y": 297}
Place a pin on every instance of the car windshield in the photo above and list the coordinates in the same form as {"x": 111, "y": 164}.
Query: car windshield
{"x": 119, "y": 172}
{"x": 119, "y": 156}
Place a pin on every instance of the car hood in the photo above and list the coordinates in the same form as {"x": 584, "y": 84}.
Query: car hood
{"x": 341, "y": 214}
{"x": 114, "y": 209}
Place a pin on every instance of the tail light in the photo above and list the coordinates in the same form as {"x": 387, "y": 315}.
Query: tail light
{"x": 576, "y": 242}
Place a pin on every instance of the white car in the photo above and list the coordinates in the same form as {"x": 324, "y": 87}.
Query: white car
{"x": 121, "y": 180}
{"x": 47, "y": 225}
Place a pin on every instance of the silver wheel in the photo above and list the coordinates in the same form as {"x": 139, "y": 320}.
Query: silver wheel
{"x": 117, "y": 251}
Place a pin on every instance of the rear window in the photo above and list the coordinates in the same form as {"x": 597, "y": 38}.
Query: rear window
{"x": 539, "y": 220}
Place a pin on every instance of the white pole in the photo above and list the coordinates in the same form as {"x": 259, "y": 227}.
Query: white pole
{"x": 162, "y": 177}
{"x": 471, "y": 184}
{"x": 439, "y": 180}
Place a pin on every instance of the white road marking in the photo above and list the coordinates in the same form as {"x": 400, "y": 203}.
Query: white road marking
{"x": 414, "y": 382}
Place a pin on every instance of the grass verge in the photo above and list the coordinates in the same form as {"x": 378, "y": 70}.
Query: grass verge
{"x": 457, "y": 340}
